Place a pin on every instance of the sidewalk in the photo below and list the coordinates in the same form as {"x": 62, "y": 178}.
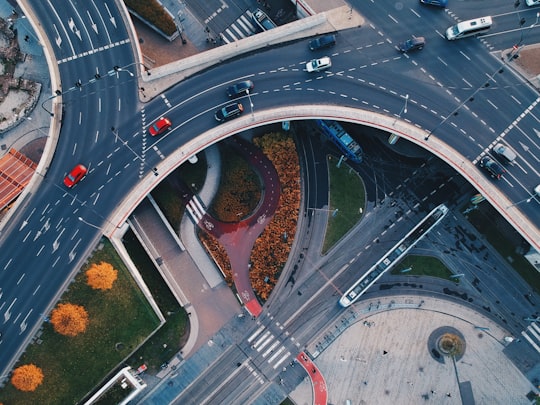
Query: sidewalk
{"x": 526, "y": 62}
{"x": 35, "y": 125}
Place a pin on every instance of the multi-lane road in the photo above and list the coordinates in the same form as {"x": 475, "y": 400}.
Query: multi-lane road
{"x": 458, "y": 92}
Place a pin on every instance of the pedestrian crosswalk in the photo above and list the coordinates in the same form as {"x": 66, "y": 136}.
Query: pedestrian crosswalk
{"x": 532, "y": 335}
{"x": 270, "y": 347}
{"x": 195, "y": 209}
{"x": 242, "y": 27}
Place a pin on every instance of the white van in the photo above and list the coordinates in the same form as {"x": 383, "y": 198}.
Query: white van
{"x": 468, "y": 28}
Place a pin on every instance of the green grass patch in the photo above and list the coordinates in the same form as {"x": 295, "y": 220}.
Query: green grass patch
{"x": 497, "y": 233}
{"x": 170, "y": 338}
{"x": 167, "y": 194}
{"x": 120, "y": 319}
{"x": 423, "y": 266}
{"x": 347, "y": 195}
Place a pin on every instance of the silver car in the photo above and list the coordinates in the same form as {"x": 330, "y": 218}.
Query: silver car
{"x": 316, "y": 65}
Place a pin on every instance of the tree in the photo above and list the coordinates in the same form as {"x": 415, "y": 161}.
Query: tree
{"x": 101, "y": 276}
{"x": 69, "y": 319}
{"x": 27, "y": 377}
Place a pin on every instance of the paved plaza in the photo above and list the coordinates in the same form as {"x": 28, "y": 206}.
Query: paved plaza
{"x": 385, "y": 358}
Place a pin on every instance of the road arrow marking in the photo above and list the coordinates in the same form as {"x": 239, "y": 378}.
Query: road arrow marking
{"x": 111, "y": 18}
{"x": 94, "y": 25}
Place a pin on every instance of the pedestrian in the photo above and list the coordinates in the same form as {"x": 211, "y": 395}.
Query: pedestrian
{"x": 448, "y": 395}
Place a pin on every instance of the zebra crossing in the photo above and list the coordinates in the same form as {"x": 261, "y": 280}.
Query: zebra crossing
{"x": 270, "y": 347}
{"x": 241, "y": 28}
{"x": 532, "y": 335}
{"x": 195, "y": 209}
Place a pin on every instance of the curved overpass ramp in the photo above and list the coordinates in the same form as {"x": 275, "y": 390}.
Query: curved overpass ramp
{"x": 407, "y": 131}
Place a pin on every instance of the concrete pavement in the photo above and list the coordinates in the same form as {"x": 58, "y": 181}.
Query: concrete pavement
{"x": 380, "y": 349}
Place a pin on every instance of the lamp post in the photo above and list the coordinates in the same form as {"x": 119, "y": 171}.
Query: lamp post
{"x": 515, "y": 49}
{"x": 89, "y": 224}
{"x": 250, "y": 104}
{"x": 403, "y": 109}
{"x": 118, "y": 69}
{"x": 526, "y": 200}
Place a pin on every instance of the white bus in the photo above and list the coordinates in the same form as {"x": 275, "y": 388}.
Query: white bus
{"x": 468, "y": 28}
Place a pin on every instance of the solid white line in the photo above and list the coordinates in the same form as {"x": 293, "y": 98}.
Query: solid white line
{"x": 533, "y": 332}
{"x": 258, "y": 342}
{"x": 282, "y": 360}
{"x": 531, "y": 341}
{"x": 257, "y": 332}
{"x": 196, "y": 201}
{"x": 269, "y": 350}
{"x": 271, "y": 359}
{"x": 268, "y": 340}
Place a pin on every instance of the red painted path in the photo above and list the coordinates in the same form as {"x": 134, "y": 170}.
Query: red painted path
{"x": 238, "y": 238}
{"x": 318, "y": 384}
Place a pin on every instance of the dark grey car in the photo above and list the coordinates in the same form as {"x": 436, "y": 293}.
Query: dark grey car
{"x": 325, "y": 41}
{"x": 411, "y": 44}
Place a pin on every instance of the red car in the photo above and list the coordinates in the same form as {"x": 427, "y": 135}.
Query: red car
{"x": 75, "y": 175}
{"x": 160, "y": 126}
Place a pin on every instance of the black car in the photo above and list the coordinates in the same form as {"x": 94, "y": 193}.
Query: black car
{"x": 325, "y": 41}
{"x": 412, "y": 44}
{"x": 494, "y": 169}
{"x": 240, "y": 89}
{"x": 229, "y": 111}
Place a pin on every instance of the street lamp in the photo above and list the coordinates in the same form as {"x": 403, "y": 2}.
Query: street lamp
{"x": 56, "y": 94}
{"x": 118, "y": 69}
{"x": 526, "y": 200}
{"x": 89, "y": 224}
{"x": 250, "y": 104}
{"x": 403, "y": 109}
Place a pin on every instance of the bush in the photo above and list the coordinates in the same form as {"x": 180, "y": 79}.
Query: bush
{"x": 154, "y": 13}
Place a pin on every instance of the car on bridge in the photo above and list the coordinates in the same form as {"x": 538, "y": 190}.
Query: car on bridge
{"x": 317, "y": 65}
{"x": 240, "y": 89}
{"x": 438, "y": 3}
{"x": 494, "y": 169}
{"x": 229, "y": 111}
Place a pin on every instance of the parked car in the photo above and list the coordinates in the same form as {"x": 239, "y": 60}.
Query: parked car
{"x": 505, "y": 152}
{"x": 438, "y": 3}
{"x": 325, "y": 41}
{"x": 532, "y": 2}
{"x": 240, "y": 89}
{"x": 492, "y": 167}
{"x": 316, "y": 65}
{"x": 411, "y": 44}
{"x": 160, "y": 126}
{"x": 229, "y": 111}
{"x": 537, "y": 191}
{"x": 75, "y": 175}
